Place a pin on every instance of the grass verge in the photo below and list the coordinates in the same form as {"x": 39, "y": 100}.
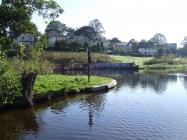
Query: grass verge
{"x": 73, "y": 57}
{"x": 68, "y": 84}
{"x": 129, "y": 59}
{"x": 166, "y": 63}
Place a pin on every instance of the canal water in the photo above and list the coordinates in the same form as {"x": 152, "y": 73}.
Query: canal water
{"x": 144, "y": 106}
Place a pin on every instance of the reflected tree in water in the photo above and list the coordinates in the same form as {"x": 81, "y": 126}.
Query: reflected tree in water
{"x": 15, "y": 122}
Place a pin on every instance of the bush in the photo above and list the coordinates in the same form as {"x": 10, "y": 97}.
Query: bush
{"x": 169, "y": 60}
{"x": 81, "y": 57}
{"x": 10, "y": 84}
{"x": 38, "y": 66}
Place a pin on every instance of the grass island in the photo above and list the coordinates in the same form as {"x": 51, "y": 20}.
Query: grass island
{"x": 68, "y": 84}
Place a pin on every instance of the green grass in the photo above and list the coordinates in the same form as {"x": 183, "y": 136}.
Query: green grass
{"x": 73, "y": 57}
{"x": 163, "y": 66}
{"x": 68, "y": 84}
{"x": 129, "y": 59}
{"x": 166, "y": 63}
{"x": 151, "y": 63}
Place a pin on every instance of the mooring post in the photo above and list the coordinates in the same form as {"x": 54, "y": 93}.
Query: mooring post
{"x": 28, "y": 81}
{"x": 89, "y": 61}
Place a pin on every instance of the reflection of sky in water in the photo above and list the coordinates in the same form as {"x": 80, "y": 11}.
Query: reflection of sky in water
{"x": 143, "y": 106}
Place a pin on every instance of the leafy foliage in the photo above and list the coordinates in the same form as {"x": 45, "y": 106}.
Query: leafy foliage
{"x": 15, "y": 17}
{"x": 87, "y": 32}
{"x": 10, "y": 84}
{"x": 158, "y": 39}
{"x": 76, "y": 46}
{"x": 98, "y": 27}
{"x": 81, "y": 57}
{"x": 65, "y": 32}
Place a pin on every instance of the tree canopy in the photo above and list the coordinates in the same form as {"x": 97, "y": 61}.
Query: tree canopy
{"x": 65, "y": 31}
{"x": 98, "y": 27}
{"x": 88, "y": 32}
{"x": 159, "y": 39}
{"x": 15, "y": 17}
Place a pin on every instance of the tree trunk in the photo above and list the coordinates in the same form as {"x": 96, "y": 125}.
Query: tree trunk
{"x": 28, "y": 81}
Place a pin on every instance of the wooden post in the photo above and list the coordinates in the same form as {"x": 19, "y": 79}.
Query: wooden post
{"x": 28, "y": 81}
{"x": 89, "y": 61}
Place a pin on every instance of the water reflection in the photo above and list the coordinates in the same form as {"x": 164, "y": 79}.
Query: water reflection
{"x": 90, "y": 102}
{"x": 94, "y": 103}
{"x": 90, "y": 116}
{"x": 13, "y": 124}
{"x": 157, "y": 82}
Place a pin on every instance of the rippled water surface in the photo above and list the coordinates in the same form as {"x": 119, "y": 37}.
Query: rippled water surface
{"x": 144, "y": 106}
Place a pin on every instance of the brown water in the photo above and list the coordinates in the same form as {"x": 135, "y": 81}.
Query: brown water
{"x": 143, "y": 107}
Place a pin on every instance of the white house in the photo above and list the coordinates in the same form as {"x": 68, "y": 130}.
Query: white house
{"x": 148, "y": 51}
{"x": 25, "y": 39}
{"x": 53, "y": 36}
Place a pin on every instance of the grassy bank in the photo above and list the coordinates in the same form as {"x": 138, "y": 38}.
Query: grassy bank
{"x": 129, "y": 59}
{"x": 68, "y": 84}
{"x": 146, "y": 63}
{"x": 170, "y": 63}
{"x": 72, "y": 57}
{"x": 166, "y": 63}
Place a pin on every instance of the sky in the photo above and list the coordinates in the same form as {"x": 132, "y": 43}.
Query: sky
{"x": 127, "y": 19}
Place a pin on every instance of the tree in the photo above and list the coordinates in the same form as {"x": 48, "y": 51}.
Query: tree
{"x": 75, "y": 46}
{"x": 115, "y": 40}
{"x": 69, "y": 33}
{"x": 159, "y": 39}
{"x": 134, "y": 45}
{"x": 102, "y": 47}
{"x": 184, "y": 42}
{"x": 57, "y": 26}
{"x": 62, "y": 45}
{"x": 98, "y": 27}
{"x": 145, "y": 43}
{"x": 87, "y": 32}
{"x": 15, "y": 17}
{"x": 65, "y": 31}
{"x": 113, "y": 43}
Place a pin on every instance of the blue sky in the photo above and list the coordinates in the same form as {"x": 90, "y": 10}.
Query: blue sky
{"x": 127, "y": 19}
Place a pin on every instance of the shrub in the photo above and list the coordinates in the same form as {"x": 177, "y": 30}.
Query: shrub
{"x": 10, "y": 84}
{"x": 81, "y": 57}
{"x": 169, "y": 60}
{"x": 38, "y": 66}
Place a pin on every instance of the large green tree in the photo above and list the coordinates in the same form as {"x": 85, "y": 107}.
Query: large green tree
{"x": 15, "y": 17}
{"x": 65, "y": 31}
{"x": 98, "y": 27}
{"x": 159, "y": 39}
{"x": 57, "y": 26}
{"x": 134, "y": 45}
{"x": 87, "y": 32}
